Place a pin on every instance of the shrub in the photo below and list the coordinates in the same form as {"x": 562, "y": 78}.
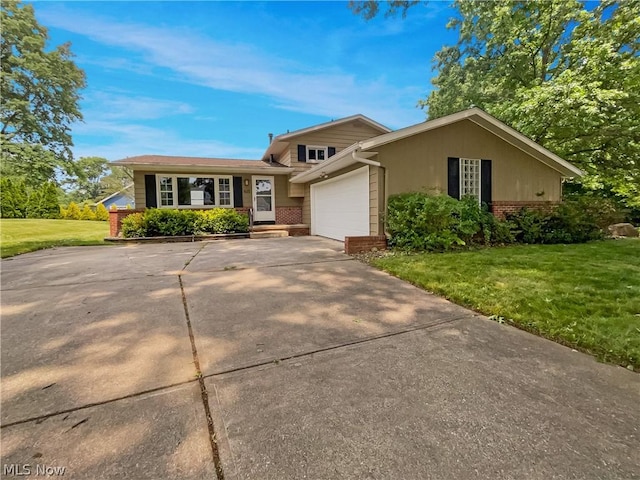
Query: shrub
{"x": 569, "y": 222}
{"x": 221, "y": 220}
{"x": 418, "y": 221}
{"x": 133, "y": 226}
{"x": 13, "y": 198}
{"x": 161, "y": 222}
{"x": 43, "y": 202}
{"x": 72, "y": 212}
{"x": 101, "y": 213}
{"x": 87, "y": 213}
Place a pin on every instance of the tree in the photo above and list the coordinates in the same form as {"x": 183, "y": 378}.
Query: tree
{"x": 43, "y": 202}
{"x": 39, "y": 89}
{"x": 101, "y": 213}
{"x": 87, "y": 184}
{"x": 369, "y": 9}
{"x": 13, "y": 198}
{"x": 566, "y": 76}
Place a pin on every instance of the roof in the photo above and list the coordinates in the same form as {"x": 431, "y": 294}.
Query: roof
{"x": 230, "y": 164}
{"x": 280, "y": 141}
{"x": 126, "y": 191}
{"x": 355, "y": 152}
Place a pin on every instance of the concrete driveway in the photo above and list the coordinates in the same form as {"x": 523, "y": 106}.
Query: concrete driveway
{"x": 286, "y": 359}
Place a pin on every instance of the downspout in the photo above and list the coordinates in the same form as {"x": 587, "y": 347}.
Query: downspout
{"x": 383, "y": 172}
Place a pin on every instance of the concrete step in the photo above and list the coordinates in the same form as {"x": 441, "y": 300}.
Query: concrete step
{"x": 269, "y": 234}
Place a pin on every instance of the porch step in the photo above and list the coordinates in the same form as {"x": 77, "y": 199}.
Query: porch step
{"x": 269, "y": 234}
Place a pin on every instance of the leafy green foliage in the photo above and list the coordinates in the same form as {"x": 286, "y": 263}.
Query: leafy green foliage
{"x": 72, "y": 212}
{"x": 101, "y": 213}
{"x": 421, "y": 222}
{"x": 164, "y": 222}
{"x": 43, "y": 202}
{"x": 87, "y": 213}
{"x": 565, "y": 74}
{"x": 368, "y": 9}
{"x": 13, "y": 198}
{"x": 133, "y": 226}
{"x": 417, "y": 221}
{"x": 570, "y": 222}
{"x": 40, "y": 96}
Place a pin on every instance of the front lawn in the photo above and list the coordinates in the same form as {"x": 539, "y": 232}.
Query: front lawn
{"x": 26, "y": 235}
{"x": 585, "y": 296}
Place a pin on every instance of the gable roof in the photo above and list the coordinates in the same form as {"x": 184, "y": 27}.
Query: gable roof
{"x": 126, "y": 191}
{"x": 231, "y": 164}
{"x": 357, "y": 151}
{"x": 279, "y": 142}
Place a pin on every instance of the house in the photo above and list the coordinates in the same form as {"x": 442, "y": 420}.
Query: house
{"x": 120, "y": 200}
{"x": 334, "y": 179}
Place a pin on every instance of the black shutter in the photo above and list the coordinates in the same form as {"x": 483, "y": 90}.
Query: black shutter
{"x": 237, "y": 191}
{"x": 151, "y": 198}
{"x": 485, "y": 181}
{"x": 453, "y": 178}
{"x": 331, "y": 151}
{"x": 302, "y": 153}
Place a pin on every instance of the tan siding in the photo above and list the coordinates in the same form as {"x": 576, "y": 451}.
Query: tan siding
{"x": 295, "y": 189}
{"x": 139, "y": 193}
{"x": 420, "y": 163}
{"x": 306, "y": 204}
{"x": 339, "y": 137}
{"x": 282, "y": 193}
{"x": 285, "y": 158}
{"x": 374, "y": 208}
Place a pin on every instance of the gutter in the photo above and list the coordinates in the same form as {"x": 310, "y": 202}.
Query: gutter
{"x": 364, "y": 160}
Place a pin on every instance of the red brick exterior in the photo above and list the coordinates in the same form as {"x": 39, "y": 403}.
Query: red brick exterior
{"x": 288, "y": 215}
{"x": 501, "y": 209}
{"x": 115, "y": 220}
{"x": 364, "y": 244}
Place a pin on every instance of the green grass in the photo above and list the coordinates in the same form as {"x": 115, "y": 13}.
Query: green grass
{"x": 27, "y": 235}
{"x": 584, "y": 296}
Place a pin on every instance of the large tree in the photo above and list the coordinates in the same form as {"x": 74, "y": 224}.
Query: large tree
{"x": 565, "y": 75}
{"x": 39, "y": 92}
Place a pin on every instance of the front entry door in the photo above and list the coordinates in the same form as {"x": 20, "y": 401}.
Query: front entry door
{"x": 263, "y": 196}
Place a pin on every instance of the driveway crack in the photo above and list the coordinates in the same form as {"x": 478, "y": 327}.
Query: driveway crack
{"x": 186, "y": 264}
{"x": 203, "y": 388}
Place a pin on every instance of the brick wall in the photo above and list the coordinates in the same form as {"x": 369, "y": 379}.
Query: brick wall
{"x": 364, "y": 244}
{"x": 288, "y": 215}
{"x": 115, "y": 220}
{"x": 502, "y": 208}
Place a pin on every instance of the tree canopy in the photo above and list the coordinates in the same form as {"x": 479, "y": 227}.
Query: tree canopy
{"x": 39, "y": 88}
{"x": 564, "y": 73}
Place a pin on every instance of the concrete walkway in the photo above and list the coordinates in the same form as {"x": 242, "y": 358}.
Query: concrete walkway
{"x": 286, "y": 359}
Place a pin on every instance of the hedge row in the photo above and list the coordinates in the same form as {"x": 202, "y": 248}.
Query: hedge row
{"x": 74, "y": 212}
{"x": 160, "y": 222}
{"x": 16, "y": 201}
{"x": 418, "y": 222}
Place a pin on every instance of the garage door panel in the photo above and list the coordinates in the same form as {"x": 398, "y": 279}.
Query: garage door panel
{"x": 340, "y": 206}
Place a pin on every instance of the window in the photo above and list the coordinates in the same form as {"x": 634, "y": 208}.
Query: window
{"x": 184, "y": 192}
{"x": 316, "y": 154}
{"x": 470, "y": 177}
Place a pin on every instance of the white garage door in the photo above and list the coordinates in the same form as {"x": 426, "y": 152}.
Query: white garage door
{"x": 340, "y": 206}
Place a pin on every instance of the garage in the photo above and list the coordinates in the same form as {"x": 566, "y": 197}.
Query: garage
{"x": 340, "y": 206}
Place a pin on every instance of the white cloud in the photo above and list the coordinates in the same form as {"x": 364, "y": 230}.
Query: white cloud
{"x": 233, "y": 67}
{"x": 124, "y": 139}
{"x": 121, "y": 105}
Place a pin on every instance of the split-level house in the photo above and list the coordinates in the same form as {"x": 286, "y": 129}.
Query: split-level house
{"x": 334, "y": 179}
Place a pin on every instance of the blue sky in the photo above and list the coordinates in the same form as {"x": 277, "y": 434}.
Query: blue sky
{"x": 214, "y": 78}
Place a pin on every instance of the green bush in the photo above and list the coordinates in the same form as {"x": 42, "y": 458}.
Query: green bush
{"x": 13, "y": 198}
{"x": 102, "y": 214}
{"x": 221, "y": 220}
{"x": 418, "y": 221}
{"x": 161, "y": 222}
{"x": 133, "y": 226}
{"x": 87, "y": 213}
{"x": 43, "y": 202}
{"x": 72, "y": 212}
{"x": 569, "y": 222}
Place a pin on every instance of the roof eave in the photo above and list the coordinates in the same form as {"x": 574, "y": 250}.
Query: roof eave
{"x": 188, "y": 168}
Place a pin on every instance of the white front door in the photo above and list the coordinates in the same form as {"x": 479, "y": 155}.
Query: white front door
{"x": 263, "y": 199}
